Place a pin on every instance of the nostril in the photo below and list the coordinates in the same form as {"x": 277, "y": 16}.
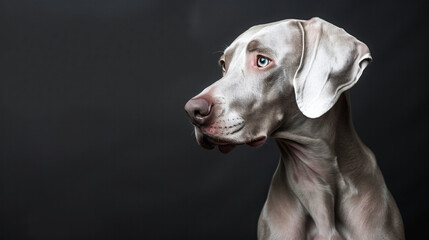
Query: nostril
{"x": 198, "y": 110}
{"x": 197, "y": 114}
{"x": 205, "y": 111}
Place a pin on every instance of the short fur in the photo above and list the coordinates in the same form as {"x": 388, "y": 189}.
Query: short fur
{"x": 327, "y": 184}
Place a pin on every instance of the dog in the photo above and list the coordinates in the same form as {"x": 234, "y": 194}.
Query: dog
{"x": 288, "y": 80}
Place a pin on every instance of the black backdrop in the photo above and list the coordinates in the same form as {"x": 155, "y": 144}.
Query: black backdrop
{"x": 94, "y": 141}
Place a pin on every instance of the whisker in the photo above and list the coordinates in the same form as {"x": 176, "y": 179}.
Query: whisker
{"x": 217, "y": 52}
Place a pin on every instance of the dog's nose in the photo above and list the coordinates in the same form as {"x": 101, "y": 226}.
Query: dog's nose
{"x": 198, "y": 110}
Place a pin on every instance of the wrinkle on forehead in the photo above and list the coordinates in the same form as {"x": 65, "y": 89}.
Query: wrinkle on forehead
{"x": 246, "y": 37}
{"x": 257, "y": 46}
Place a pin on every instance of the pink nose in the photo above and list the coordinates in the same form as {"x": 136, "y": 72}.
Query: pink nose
{"x": 199, "y": 110}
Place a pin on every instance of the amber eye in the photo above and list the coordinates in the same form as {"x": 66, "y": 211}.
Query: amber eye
{"x": 262, "y": 61}
{"x": 222, "y": 65}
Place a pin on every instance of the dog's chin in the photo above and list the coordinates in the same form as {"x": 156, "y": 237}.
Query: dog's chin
{"x": 224, "y": 145}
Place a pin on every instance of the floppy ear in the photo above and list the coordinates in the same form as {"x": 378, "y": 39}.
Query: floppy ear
{"x": 332, "y": 61}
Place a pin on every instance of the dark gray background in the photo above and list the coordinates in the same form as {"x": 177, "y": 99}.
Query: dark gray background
{"x": 94, "y": 141}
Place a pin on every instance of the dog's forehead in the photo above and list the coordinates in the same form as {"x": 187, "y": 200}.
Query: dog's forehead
{"x": 253, "y": 33}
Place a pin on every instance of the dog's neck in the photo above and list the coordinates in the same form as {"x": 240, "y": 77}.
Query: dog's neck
{"x": 315, "y": 165}
{"x": 324, "y": 144}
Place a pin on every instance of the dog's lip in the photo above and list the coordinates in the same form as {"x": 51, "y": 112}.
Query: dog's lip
{"x": 209, "y": 141}
{"x": 257, "y": 141}
{"x": 215, "y": 141}
{"x": 218, "y": 141}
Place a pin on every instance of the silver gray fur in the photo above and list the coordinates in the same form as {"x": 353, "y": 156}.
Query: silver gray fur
{"x": 327, "y": 184}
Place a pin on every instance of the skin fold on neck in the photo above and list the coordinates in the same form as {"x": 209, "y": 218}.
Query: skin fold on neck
{"x": 315, "y": 167}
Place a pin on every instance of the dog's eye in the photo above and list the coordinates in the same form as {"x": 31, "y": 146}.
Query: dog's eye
{"x": 222, "y": 65}
{"x": 262, "y": 61}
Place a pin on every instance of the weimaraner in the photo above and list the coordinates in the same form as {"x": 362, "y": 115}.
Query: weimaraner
{"x": 289, "y": 80}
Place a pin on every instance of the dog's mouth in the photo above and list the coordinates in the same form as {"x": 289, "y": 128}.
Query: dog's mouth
{"x": 209, "y": 142}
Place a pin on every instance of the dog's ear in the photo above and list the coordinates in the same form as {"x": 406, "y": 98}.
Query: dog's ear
{"x": 331, "y": 63}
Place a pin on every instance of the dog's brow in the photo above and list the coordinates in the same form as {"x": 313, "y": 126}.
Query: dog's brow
{"x": 227, "y": 56}
{"x": 256, "y": 46}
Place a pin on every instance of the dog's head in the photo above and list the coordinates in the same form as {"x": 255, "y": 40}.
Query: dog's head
{"x": 269, "y": 72}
